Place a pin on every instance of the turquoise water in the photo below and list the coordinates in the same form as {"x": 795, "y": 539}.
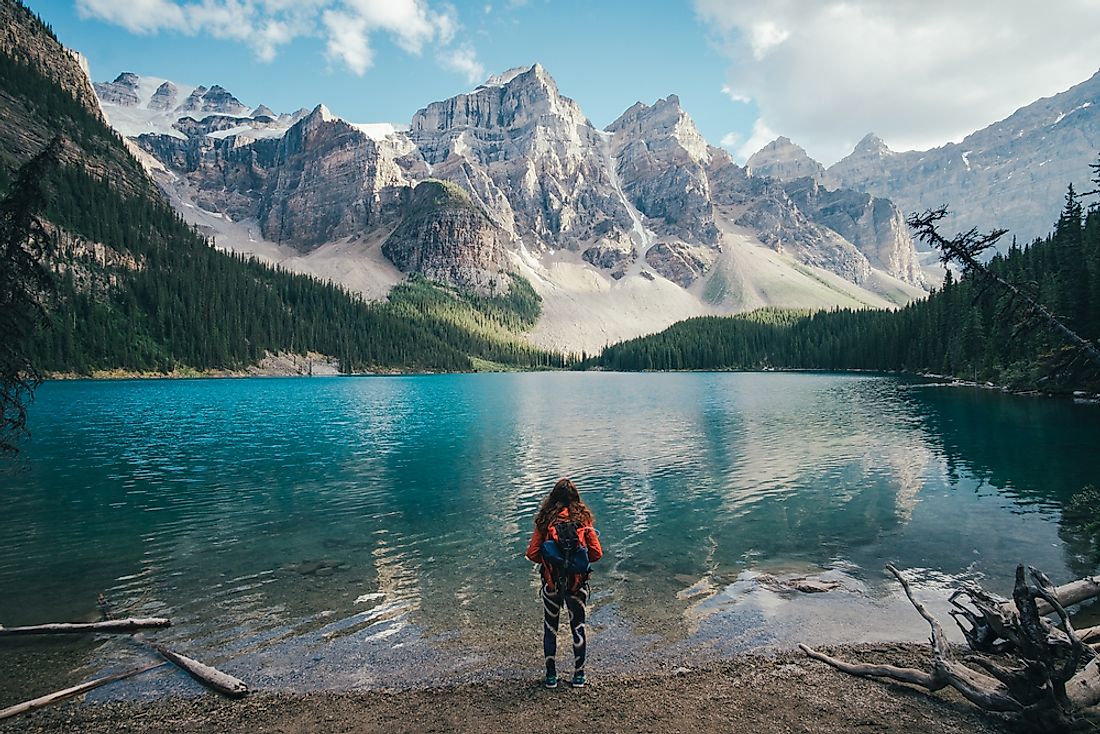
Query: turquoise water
{"x": 360, "y": 532}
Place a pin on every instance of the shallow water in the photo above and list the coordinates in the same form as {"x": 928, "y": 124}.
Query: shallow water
{"x": 363, "y": 532}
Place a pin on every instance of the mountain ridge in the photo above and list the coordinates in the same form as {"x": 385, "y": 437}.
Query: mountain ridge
{"x": 595, "y": 219}
{"x": 1010, "y": 174}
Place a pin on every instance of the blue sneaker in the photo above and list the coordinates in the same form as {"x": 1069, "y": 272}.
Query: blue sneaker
{"x": 550, "y": 681}
{"x": 578, "y": 680}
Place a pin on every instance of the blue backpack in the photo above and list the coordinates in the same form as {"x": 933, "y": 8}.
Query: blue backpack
{"x": 565, "y": 553}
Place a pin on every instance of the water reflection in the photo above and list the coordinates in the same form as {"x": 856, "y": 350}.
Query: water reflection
{"x": 309, "y": 529}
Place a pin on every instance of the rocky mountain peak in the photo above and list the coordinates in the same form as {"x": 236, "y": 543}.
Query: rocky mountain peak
{"x": 510, "y": 174}
{"x": 1011, "y": 174}
{"x": 164, "y": 98}
{"x": 499, "y": 80}
{"x": 661, "y": 161}
{"x": 536, "y": 72}
{"x": 664, "y": 120}
{"x": 194, "y": 100}
{"x": 320, "y": 127}
{"x": 511, "y": 101}
{"x": 784, "y": 160}
{"x": 123, "y": 91}
{"x": 215, "y": 99}
{"x": 872, "y": 144}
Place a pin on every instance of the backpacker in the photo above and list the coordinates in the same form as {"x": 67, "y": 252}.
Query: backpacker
{"x": 566, "y": 553}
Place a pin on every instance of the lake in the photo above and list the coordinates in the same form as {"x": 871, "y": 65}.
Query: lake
{"x": 369, "y": 532}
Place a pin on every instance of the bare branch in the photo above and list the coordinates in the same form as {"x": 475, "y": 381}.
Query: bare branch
{"x": 1037, "y": 676}
{"x": 906, "y": 675}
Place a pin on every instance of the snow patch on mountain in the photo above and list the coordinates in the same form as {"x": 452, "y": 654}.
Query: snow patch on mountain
{"x": 249, "y": 131}
{"x": 379, "y": 130}
{"x": 499, "y": 80}
{"x": 138, "y": 105}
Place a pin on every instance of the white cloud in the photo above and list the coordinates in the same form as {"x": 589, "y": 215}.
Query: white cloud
{"x": 136, "y": 16}
{"x": 346, "y": 26}
{"x": 348, "y": 40}
{"x": 735, "y": 96}
{"x": 463, "y": 60}
{"x": 731, "y": 140}
{"x": 765, "y": 36}
{"x": 761, "y": 136}
{"x": 917, "y": 72}
{"x": 407, "y": 21}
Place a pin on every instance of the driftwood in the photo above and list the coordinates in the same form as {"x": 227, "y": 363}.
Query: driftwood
{"x": 1047, "y": 674}
{"x": 210, "y": 677}
{"x": 57, "y": 696}
{"x": 119, "y": 625}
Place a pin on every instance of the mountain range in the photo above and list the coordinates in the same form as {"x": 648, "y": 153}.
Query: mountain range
{"x": 1012, "y": 174}
{"x": 621, "y": 231}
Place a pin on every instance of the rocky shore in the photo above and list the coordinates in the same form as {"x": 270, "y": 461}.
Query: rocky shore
{"x": 785, "y": 692}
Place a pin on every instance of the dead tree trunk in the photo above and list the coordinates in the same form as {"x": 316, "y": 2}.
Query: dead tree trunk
{"x": 124, "y": 626}
{"x": 63, "y": 695}
{"x": 1051, "y": 676}
{"x": 212, "y": 678}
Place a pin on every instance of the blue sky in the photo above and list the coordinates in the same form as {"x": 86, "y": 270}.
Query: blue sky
{"x": 823, "y": 72}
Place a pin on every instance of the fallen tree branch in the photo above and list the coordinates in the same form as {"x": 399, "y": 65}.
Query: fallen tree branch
{"x": 122, "y": 626}
{"x": 212, "y": 678}
{"x": 906, "y": 675}
{"x": 67, "y": 693}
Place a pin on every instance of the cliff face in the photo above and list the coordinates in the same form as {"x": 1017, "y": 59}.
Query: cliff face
{"x": 662, "y": 163}
{"x": 31, "y": 114}
{"x": 875, "y": 225}
{"x": 782, "y": 225}
{"x": 445, "y": 237}
{"x": 530, "y": 158}
{"x": 321, "y": 180}
{"x": 1011, "y": 174}
{"x": 24, "y": 39}
{"x": 329, "y": 180}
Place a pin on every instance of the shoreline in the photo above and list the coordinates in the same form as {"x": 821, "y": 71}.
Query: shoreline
{"x": 752, "y": 692}
{"x": 1078, "y": 396}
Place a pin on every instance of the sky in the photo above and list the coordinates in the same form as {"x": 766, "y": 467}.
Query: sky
{"x": 919, "y": 73}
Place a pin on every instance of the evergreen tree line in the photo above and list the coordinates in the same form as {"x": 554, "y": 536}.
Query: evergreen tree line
{"x": 185, "y": 304}
{"x": 961, "y": 329}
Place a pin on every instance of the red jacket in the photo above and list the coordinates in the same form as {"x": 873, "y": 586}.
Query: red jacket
{"x": 588, "y": 537}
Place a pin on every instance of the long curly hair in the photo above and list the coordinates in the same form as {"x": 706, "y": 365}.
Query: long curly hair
{"x": 563, "y": 495}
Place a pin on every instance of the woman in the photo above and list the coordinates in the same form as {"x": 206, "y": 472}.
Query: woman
{"x": 564, "y": 505}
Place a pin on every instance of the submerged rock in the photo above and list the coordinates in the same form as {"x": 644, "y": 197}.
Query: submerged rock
{"x": 321, "y": 567}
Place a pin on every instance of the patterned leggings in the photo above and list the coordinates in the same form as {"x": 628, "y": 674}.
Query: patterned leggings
{"x": 575, "y": 601}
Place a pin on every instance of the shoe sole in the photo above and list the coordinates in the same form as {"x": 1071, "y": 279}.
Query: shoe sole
{"x": 550, "y": 685}
{"x": 578, "y": 685}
